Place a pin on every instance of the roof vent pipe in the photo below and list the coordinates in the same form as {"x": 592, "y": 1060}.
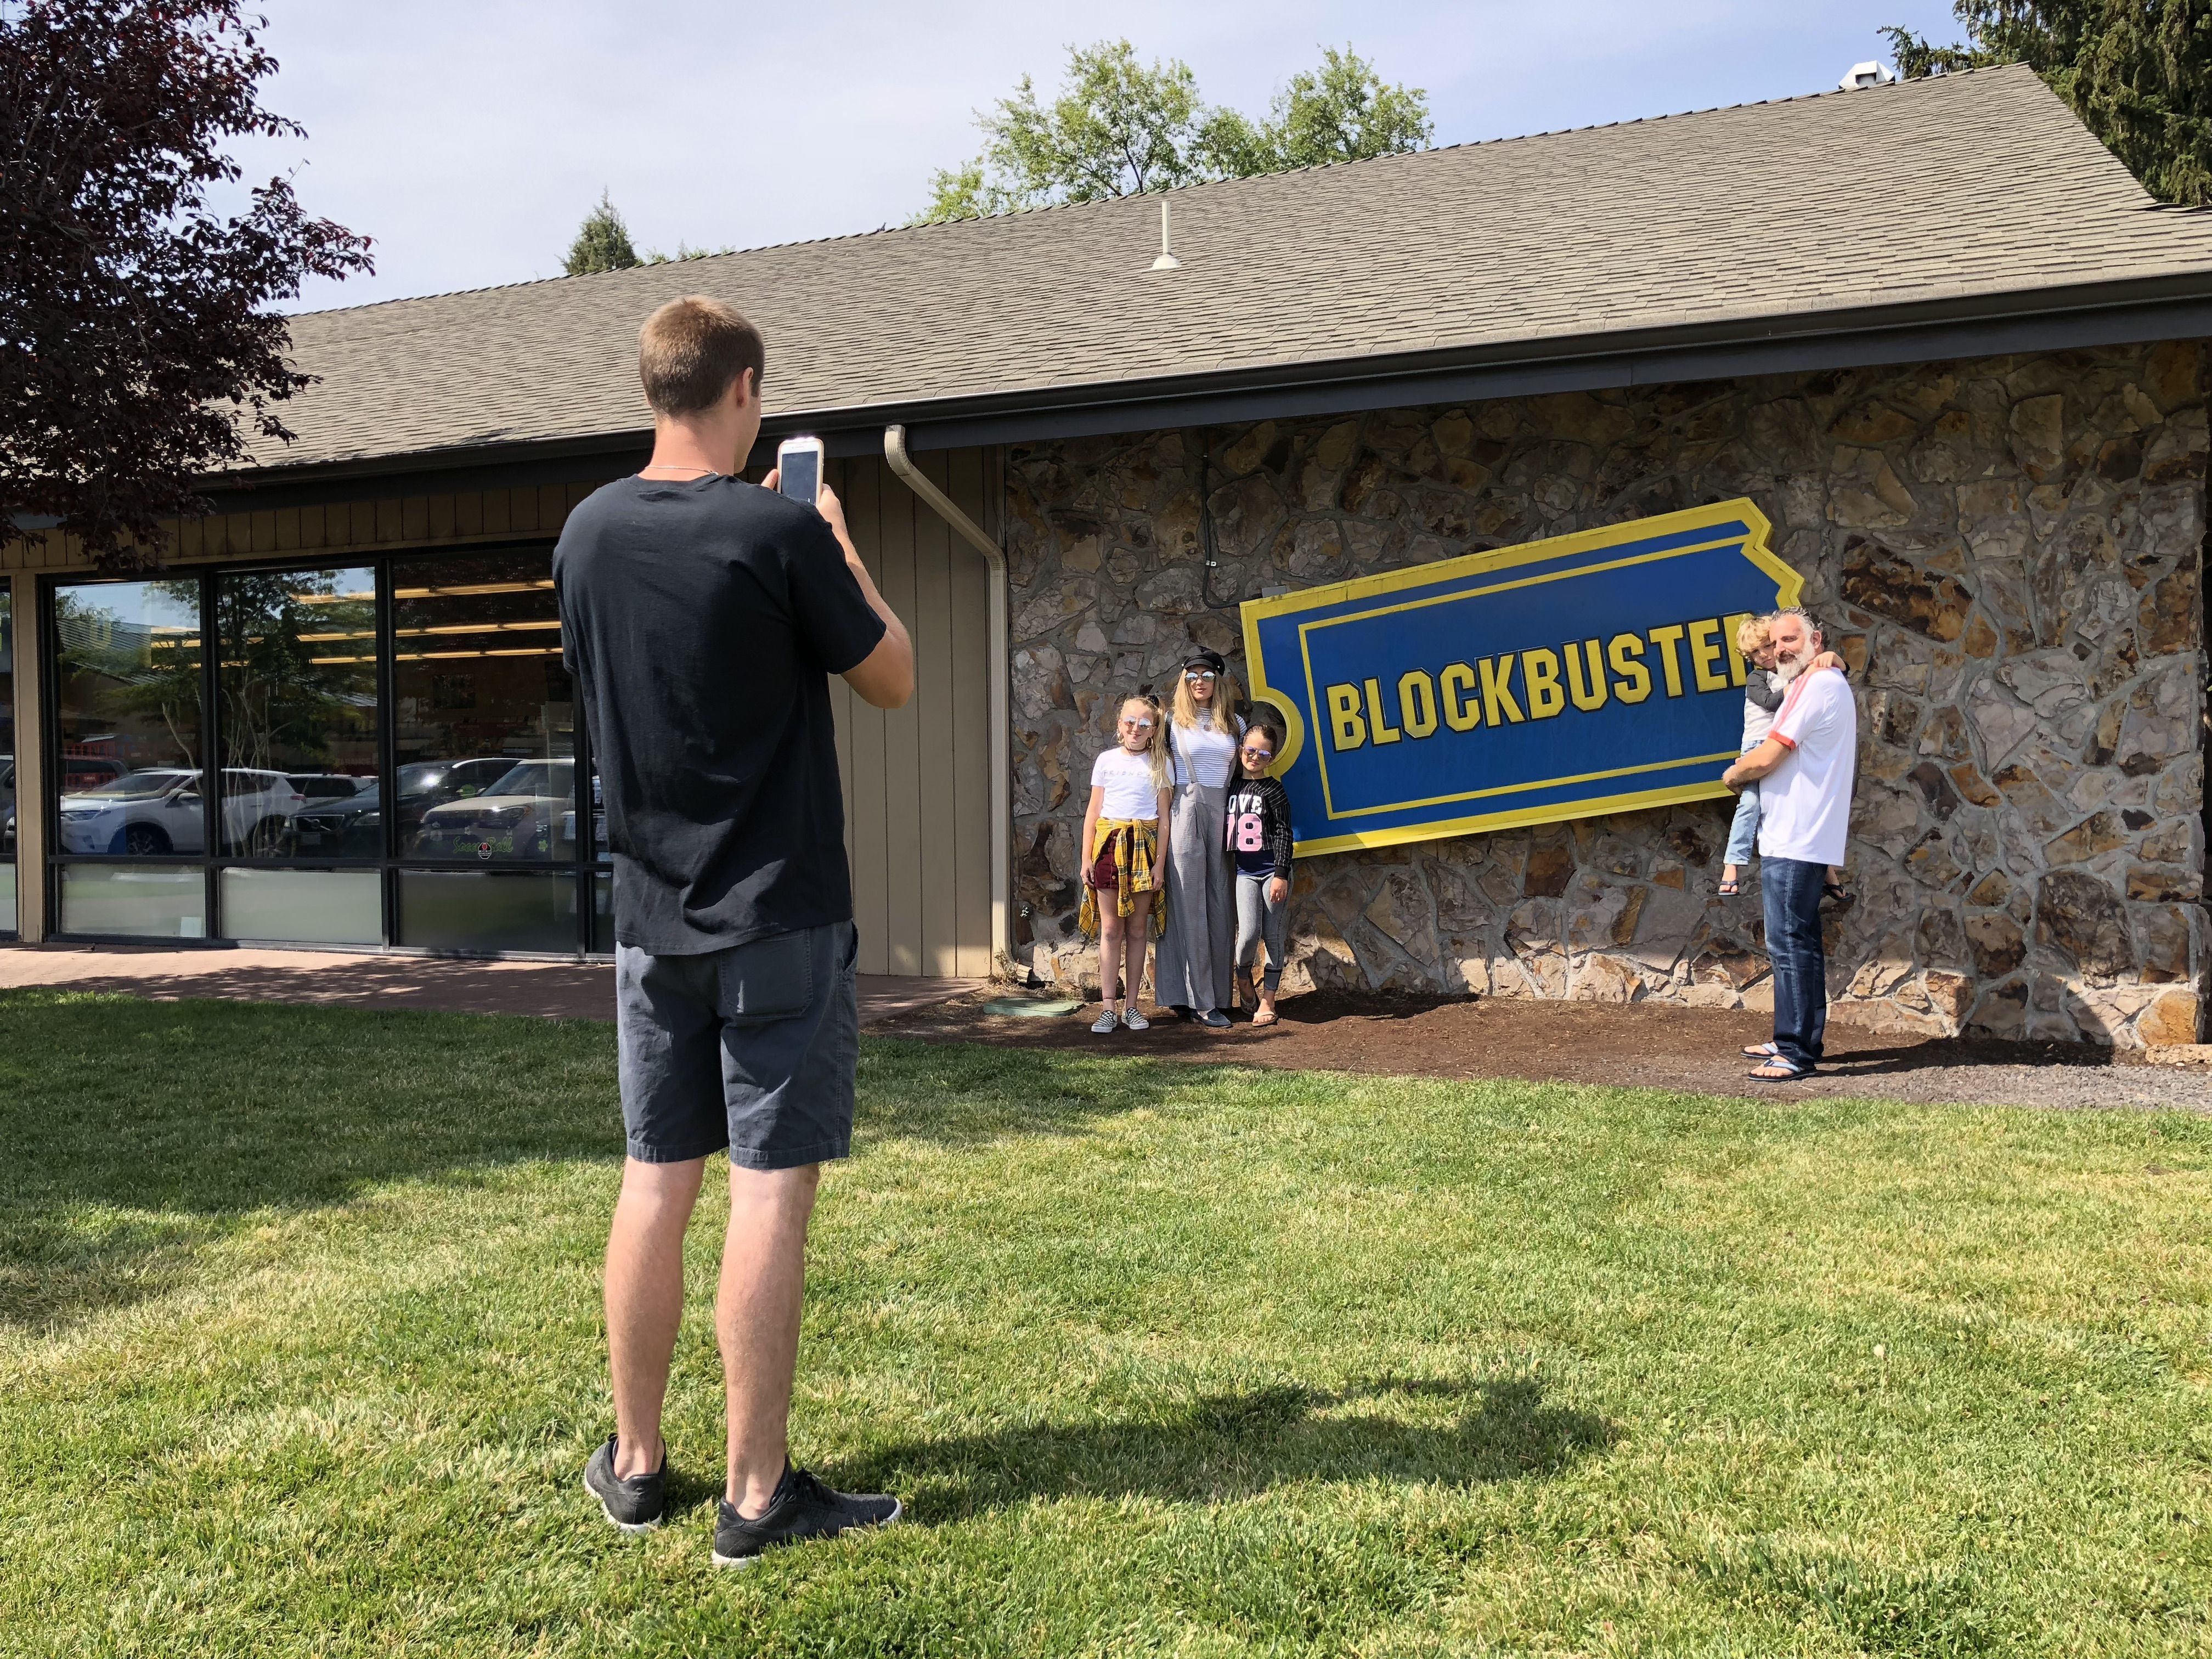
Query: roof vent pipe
{"x": 1167, "y": 261}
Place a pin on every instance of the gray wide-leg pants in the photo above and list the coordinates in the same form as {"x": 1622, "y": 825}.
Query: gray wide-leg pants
{"x": 1192, "y": 966}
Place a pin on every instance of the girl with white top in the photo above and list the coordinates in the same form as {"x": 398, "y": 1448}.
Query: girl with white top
{"x": 1123, "y": 847}
{"x": 1191, "y": 973}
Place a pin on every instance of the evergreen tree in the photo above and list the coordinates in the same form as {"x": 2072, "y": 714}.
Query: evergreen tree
{"x": 1119, "y": 127}
{"x": 602, "y": 243}
{"x": 2137, "y": 72}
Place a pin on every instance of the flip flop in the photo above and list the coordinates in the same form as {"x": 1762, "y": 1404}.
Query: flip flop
{"x": 1837, "y": 895}
{"x": 1789, "y": 1073}
{"x": 1266, "y": 1017}
{"x": 1763, "y": 1051}
{"x": 1731, "y": 889}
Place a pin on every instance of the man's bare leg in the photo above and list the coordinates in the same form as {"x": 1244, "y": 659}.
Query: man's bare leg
{"x": 756, "y": 1322}
{"x": 645, "y": 1301}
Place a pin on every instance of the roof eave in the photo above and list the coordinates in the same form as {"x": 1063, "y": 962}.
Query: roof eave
{"x": 2172, "y": 305}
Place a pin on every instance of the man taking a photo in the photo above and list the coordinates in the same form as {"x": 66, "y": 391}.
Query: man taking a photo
{"x": 1805, "y": 769}
{"x": 702, "y": 617}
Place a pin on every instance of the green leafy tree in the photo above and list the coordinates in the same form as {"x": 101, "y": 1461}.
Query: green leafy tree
{"x": 2137, "y": 72}
{"x": 1342, "y": 112}
{"x": 1119, "y": 127}
{"x": 602, "y": 243}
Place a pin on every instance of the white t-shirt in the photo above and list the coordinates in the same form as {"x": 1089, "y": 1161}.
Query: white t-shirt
{"x": 1127, "y": 780}
{"x": 1805, "y": 804}
{"x": 1205, "y": 750}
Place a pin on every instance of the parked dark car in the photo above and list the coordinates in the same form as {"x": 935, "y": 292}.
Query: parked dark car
{"x": 426, "y": 784}
{"x": 341, "y": 827}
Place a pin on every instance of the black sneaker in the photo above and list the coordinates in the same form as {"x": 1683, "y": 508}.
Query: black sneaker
{"x": 637, "y": 1505}
{"x": 802, "y": 1508}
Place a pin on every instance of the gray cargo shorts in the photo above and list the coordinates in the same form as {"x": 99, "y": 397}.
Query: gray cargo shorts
{"x": 753, "y": 1048}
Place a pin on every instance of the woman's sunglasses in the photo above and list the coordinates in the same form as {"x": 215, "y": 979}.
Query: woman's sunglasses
{"x": 1194, "y": 675}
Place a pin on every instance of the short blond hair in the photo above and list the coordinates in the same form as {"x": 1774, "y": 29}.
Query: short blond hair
{"x": 691, "y": 349}
{"x": 1750, "y": 634}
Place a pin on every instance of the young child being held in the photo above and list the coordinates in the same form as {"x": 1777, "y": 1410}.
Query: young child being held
{"x": 1259, "y": 835}
{"x": 1125, "y": 843}
{"x": 1763, "y": 692}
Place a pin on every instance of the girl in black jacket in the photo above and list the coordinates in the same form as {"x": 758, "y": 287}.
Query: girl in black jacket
{"x": 1258, "y": 836}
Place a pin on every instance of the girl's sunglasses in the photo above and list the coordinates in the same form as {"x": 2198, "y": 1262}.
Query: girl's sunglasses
{"x": 1138, "y": 726}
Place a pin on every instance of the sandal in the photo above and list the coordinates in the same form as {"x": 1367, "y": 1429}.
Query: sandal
{"x": 1837, "y": 895}
{"x": 1761, "y": 1051}
{"x": 1778, "y": 1070}
{"x": 1731, "y": 889}
{"x": 1266, "y": 1017}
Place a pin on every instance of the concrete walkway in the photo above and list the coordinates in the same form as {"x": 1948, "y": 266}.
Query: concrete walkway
{"x": 564, "y": 990}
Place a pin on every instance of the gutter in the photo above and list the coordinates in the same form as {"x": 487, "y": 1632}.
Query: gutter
{"x": 1000, "y": 670}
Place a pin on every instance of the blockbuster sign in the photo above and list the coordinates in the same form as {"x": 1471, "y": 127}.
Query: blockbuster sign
{"x": 1585, "y": 674}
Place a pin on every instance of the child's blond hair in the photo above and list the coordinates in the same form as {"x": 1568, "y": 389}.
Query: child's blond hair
{"x": 1750, "y": 634}
{"x": 1156, "y": 746}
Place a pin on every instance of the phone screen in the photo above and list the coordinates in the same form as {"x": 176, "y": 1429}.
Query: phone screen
{"x": 799, "y": 474}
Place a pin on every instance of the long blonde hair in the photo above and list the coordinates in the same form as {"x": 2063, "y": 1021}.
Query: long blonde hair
{"x": 1156, "y": 746}
{"x": 1228, "y": 698}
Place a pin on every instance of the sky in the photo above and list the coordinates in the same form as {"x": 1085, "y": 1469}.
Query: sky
{"x": 469, "y": 139}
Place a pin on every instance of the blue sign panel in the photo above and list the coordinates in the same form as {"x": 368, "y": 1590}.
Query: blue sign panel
{"x": 1589, "y": 673}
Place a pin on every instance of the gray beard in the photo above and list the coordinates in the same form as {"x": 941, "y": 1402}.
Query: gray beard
{"x": 1786, "y": 671}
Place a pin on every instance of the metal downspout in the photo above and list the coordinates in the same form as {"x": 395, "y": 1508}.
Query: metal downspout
{"x": 1001, "y": 669}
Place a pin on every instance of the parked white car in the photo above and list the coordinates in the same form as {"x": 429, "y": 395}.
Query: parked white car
{"x": 158, "y": 811}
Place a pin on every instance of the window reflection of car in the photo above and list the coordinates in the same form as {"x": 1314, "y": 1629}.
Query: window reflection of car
{"x": 159, "y": 810}
{"x": 523, "y": 815}
{"x": 329, "y": 786}
{"x": 346, "y": 827}
{"x": 426, "y": 784}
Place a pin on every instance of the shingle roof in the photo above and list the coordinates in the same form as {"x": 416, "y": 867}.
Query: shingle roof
{"x": 1980, "y": 184}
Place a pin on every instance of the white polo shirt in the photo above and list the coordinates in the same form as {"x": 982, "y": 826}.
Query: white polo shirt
{"x": 1805, "y": 804}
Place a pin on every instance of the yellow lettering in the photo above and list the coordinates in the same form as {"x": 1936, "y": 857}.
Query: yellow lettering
{"x": 1497, "y": 692}
{"x": 1417, "y": 703}
{"x": 1540, "y": 677}
{"x": 1349, "y": 730}
{"x": 1705, "y": 654}
{"x": 1586, "y": 684}
{"x": 1379, "y": 729}
{"x": 1728, "y": 626}
{"x": 1462, "y": 708}
{"x": 1667, "y": 639}
{"x": 1625, "y": 652}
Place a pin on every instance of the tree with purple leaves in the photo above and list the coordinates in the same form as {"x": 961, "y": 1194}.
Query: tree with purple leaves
{"x": 138, "y": 348}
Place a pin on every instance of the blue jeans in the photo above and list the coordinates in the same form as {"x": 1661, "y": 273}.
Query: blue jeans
{"x": 1791, "y": 888}
{"x": 1743, "y": 829}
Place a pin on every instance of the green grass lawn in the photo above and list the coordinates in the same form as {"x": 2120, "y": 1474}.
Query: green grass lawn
{"x": 300, "y": 1353}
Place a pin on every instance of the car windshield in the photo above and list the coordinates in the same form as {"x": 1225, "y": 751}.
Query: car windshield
{"x": 422, "y": 778}
{"x": 531, "y": 778}
{"x": 141, "y": 786}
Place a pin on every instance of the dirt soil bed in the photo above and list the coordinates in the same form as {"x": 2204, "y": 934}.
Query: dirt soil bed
{"x": 1638, "y": 1046}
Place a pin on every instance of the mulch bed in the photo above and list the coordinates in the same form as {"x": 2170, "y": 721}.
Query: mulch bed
{"x": 1636, "y": 1045}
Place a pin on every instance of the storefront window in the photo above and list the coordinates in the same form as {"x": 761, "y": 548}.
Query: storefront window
{"x": 128, "y": 712}
{"x": 298, "y": 712}
{"x": 484, "y": 728}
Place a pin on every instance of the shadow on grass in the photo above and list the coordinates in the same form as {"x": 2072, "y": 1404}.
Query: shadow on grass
{"x": 1224, "y": 1447}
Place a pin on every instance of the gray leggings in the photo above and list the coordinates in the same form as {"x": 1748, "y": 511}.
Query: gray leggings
{"x": 1257, "y": 917}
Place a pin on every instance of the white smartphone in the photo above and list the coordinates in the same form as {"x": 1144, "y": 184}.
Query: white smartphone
{"x": 798, "y": 469}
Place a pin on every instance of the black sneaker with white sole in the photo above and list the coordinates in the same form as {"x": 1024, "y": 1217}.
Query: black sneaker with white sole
{"x": 637, "y": 1505}
{"x": 802, "y": 1508}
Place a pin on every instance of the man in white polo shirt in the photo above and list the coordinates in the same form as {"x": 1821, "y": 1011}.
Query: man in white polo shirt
{"x": 1804, "y": 770}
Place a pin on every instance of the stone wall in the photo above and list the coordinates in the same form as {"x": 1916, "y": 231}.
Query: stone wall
{"x": 2009, "y": 551}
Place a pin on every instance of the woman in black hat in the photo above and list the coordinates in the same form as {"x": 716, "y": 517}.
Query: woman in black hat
{"x": 1192, "y": 968}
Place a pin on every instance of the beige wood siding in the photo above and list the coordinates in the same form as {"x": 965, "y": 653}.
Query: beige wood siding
{"x": 917, "y": 779}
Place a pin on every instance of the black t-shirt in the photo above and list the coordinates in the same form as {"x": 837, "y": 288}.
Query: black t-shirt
{"x": 702, "y": 620}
